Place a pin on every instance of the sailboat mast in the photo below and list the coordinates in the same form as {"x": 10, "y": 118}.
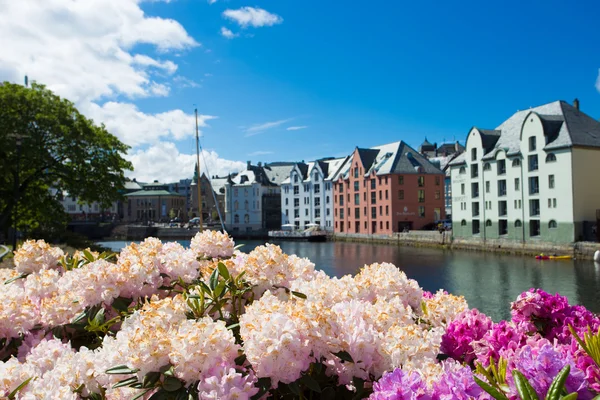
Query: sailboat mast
{"x": 199, "y": 179}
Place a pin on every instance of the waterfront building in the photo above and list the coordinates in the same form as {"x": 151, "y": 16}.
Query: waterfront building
{"x": 530, "y": 179}
{"x": 78, "y": 211}
{"x": 183, "y": 187}
{"x": 253, "y": 197}
{"x": 442, "y": 156}
{"x": 154, "y": 202}
{"x": 387, "y": 189}
{"x": 307, "y": 193}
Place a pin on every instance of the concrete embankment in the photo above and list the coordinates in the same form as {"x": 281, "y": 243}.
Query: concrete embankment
{"x": 580, "y": 250}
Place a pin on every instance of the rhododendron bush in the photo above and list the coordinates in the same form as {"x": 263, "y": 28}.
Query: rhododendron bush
{"x": 160, "y": 321}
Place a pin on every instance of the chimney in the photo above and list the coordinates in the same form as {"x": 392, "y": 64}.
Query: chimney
{"x": 248, "y": 164}
{"x": 576, "y": 104}
{"x": 259, "y": 164}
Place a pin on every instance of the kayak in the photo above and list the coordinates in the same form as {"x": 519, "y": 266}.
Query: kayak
{"x": 542, "y": 257}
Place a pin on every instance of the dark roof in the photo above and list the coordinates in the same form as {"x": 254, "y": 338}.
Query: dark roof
{"x": 426, "y": 143}
{"x": 552, "y": 125}
{"x": 583, "y": 130}
{"x": 324, "y": 166}
{"x": 489, "y": 138}
{"x": 367, "y": 156}
{"x": 409, "y": 161}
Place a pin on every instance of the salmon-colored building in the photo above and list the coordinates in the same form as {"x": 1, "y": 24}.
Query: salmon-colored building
{"x": 387, "y": 189}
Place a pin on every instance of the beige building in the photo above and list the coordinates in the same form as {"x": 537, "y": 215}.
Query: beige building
{"x": 154, "y": 203}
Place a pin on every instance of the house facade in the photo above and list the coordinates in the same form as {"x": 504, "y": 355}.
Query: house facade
{"x": 307, "y": 193}
{"x": 530, "y": 179}
{"x": 386, "y": 189}
{"x": 153, "y": 203}
{"x": 253, "y": 197}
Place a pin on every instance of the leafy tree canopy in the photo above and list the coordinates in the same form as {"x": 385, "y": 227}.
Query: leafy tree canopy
{"x": 60, "y": 149}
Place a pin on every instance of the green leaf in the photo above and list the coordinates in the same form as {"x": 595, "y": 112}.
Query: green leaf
{"x": 150, "y": 379}
{"x": 558, "y": 383}
{"x": 79, "y": 318}
{"x": 310, "y": 383}
{"x": 223, "y": 270}
{"x": 11, "y": 280}
{"x": 12, "y": 394}
{"x": 233, "y": 326}
{"x": 298, "y": 294}
{"x": 219, "y": 289}
{"x": 524, "y": 387}
{"x": 88, "y": 256}
{"x": 214, "y": 279}
{"x": 490, "y": 389}
{"x": 121, "y": 370}
{"x": 264, "y": 385}
{"x": 171, "y": 384}
{"x": 294, "y": 388}
{"x": 121, "y": 304}
{"x": 328, "y": 394}
{"x": 160, "y": 395}
{"x": 573, "y": 396}
{"x": 99, "y": 317}
{"x": 126, "y": 382}
{"x": 344, "y": 356}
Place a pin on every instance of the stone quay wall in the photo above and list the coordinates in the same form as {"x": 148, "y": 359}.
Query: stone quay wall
{"x": 580, "y": 250}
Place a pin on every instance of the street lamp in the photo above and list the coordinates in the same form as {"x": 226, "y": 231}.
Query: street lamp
{"x": 18, "y": 142}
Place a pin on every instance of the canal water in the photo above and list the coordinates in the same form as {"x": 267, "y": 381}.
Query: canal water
{"x": 488, "y": 281}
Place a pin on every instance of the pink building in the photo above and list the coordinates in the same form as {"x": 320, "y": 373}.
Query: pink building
{"x": 387, "y": 189}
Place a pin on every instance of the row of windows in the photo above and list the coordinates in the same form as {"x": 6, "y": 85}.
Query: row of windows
{"x": 316, "y": 177}
{"x": 518, "y": 224}
{"x": 534, "y": 186}
{"x": 235, "y": 192}
{"x": 357, "y": 226}
{"x": 421, "y": 212}
{"x": 501, "y": 165}
{"x": 307, "y": 201}
{"x": 420, "y": 197}
{"x": 316, "y": 187}
{"x": 255, "y": 205}
{"x": 373, "y": 181}
{"x": 317, "y": 213}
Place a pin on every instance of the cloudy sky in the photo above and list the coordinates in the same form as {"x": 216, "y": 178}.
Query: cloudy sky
{"x": 283, "y": 80}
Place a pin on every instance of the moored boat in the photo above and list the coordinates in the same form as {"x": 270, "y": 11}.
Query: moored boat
{"x": 545, "y": 257}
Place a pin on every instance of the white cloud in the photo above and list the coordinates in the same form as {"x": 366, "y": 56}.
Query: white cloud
{"x": 259, "y": 153}
{"x": 259, "y": 128}
{"x": 135, "y": 128}
{"x": 184, "y": 82}
{"x": 166, "y": 164}
{"x": 212, "y": 1}
{"x": 250, "y": 16}
{"x": 296, "y": 128}
{"x": 228, "y": 33}
{"x": 82, "y": 50}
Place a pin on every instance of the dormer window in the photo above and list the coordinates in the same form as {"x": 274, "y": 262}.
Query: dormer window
{"x": 473, "y": 154}
{"x": 532, "y": 143}
{"x": 551, "y": 157}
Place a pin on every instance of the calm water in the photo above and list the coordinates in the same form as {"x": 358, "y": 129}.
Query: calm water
{"x": 489, "y": 282}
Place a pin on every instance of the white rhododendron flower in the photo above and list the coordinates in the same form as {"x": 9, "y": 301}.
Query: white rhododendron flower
{"x": 212, "y": 244}
{"x": 35, "y": 255}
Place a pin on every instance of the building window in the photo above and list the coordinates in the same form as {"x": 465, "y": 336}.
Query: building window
{"x": 421, "y": 194}
{"x": 534, "y": 208}
{"x": 474, "y": 190}
{"x": 365, "y": 197}
{"x": 317, "y": 188}
{"x": 380, "y": 210}
{"x": 473, "y": 154}
{"x": 475, "y": 227}
{"x": 502, "y": 208}
{"x": 373, "y": 183}
{"x": 516, "y": 162}
{"x": 297, "y": 202}
{"x": 365, "y": 211}
{"x": 341, "y": 186}
{"x": 386, "y": 194}
{"x": 296, "y": 190}
{"x": 297, "y": 213}
{"x": 356, "y": 198}
{"x": 437, "y": 194}
{"x": 421, "y": 181}
{"x": 552, "y": 224}
{"x": 317, "y": 201}
{"x": 327, "y": 200}
{"x": 462, "y": 189}
{"x": 462, "y": 170}
{"x": 474, "y": 170}
{"x": 533, "y": 162}
{"x": 534, "y": 185}
{"x": 501, "y": 167}
{"x": 549, "y": 203}
{"x": 551, "y": 157}
{"x": 400, "y": 180}
{"x": 502, "y": 187}
{"x": 357, "y": 213}
{"x": 235, "y": 205}
{"x": 373, "y": 197}
{"x": 551, "y": 181}
{"x": 356, "y": 186}
{"x": 286, "y": 202}
{"x": 487, "y": 186}
{"x": 400, "y": 194}
{"x": 437, "y": 181}
{"x": 518, "y": 223}
{"x": 380, "y": 195}
{"x": 534, "y": 227}
{"x": 373, "y": 212}
{"x": 463, "y": 223}
{"x": 236, "y": 219}
{"x": 517, "y": 184}
{"x": 387, "y": 210}
{"x": 306, "y": 212}
{"x": 488, "y": 222}
{"x": 532, "y": 145}
{"x": 421, "y": 211}
{"x": 341, "y": 199}
{"x": 487, "y": 166}
{"x": 475, "y": 208}
{"x": 387, "y": 224}
{"x": 554, "y": 203}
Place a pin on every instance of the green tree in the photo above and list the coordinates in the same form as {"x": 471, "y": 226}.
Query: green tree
{"x": 60, "y": 149}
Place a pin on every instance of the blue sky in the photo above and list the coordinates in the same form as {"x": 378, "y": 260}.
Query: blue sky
{"x": 363, "y": 74}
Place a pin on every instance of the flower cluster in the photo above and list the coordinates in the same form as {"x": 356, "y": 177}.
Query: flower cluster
{"x": 211, "y": 322}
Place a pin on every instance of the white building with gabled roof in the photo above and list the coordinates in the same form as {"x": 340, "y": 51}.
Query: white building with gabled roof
{"x": 307, "y": 193}
{"x": 533, "y": 178}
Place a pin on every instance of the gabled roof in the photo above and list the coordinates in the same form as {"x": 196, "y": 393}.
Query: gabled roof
{"x": 489, "y": 138}
{"x": 564, "y": 126}
{"x": 367, "y": 157}
{"x": 276, "y": 173}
